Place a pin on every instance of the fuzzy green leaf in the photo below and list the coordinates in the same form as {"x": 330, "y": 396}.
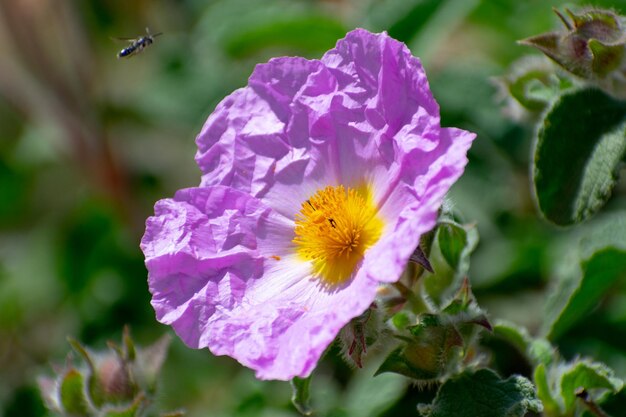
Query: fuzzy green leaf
{"x": 587, "y": 375}
{"x": 578, "y": 149}
{"x": 538, "y": 350}
{"x": 483, "y": 394}
{"x": 544, "y": 391}
{"x": 300, "y": 397}
{"x": 72, "y": 393}
{"x": 533, "y": 83}
{"x": 559, "y": 384}
{"x": 591, "y": 270}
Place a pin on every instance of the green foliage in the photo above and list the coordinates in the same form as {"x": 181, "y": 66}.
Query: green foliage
{"x": 89, "y": 144}
{"x": 452, "y": 240}
{"x": 369, "y": 397}
{"x": 119, "y": 383}
{"x": 301, "y": 396}
{"x": 71, "y": 393}
{"x": 591, "y": 270}
{"x": 449, "y": 256}
{"x": 578, "y": 149}
{"x": 309, "y": 34}
{"x": 537, "y": 350}
{"x": 437, "y": 344}
{"x": 558, "y": 386}
{"x": 485, "y": 394}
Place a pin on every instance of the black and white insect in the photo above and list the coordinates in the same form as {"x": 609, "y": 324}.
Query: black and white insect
{"x": 137, "y": 44}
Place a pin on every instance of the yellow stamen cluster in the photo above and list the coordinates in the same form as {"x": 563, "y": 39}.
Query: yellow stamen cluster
{"x": 334, "y": 229}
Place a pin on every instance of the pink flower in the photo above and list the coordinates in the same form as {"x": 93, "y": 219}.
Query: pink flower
{"x": 318, "y": 179}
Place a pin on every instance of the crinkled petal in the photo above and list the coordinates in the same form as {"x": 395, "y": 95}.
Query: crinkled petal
{"x": 412, "y": 206}
{"x": 289, "y": 320}
{"x": 342, "y": 120}
{"x": 203, "y": 245}
{"x": 249, "y": 298}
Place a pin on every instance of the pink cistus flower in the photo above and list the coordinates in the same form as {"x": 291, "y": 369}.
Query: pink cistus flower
{"x": 318, "y": 179}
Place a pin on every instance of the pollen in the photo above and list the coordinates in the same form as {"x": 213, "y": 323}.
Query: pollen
{"x": 334, "y": 228}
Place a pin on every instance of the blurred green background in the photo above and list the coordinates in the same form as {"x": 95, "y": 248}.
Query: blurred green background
{"x": 88, "y": 143}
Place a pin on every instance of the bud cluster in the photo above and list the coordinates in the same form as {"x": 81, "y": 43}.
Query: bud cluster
{"x": 118, "y": 382}
{"x": 437, "y": 345}
{"x": 591, "y": 47}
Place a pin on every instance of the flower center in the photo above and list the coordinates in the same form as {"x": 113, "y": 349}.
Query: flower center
{"x": 333, "y": 230}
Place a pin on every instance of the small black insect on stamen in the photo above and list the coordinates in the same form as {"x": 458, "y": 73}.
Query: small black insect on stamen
{"x": 332, "y": 222}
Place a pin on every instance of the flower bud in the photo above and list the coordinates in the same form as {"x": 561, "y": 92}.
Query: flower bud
{"x": 591, "y": 47}
{"x": 118, "y": 382}
{"x": 437, "y": 344}
{"x": 114, "y": 380}
{"x": 428, "y": 352}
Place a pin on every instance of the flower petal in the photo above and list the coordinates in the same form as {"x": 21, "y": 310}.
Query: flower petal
{"x": 342, "y": 120}
{"x": 264, "y": 310}
{"x": 289, "y": 320}
{"x": 257, "y": 136}
{"x": 202, "y": 249}
{"x": 412, "y": 206}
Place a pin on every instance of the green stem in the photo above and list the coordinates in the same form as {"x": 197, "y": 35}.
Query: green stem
{"x": 415, "y": 301}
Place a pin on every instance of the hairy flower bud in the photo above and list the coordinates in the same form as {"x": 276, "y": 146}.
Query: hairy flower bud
{"x": 591, "y": 47}
{"x": 114, "y": 379}
{"x": 118, "y": 382}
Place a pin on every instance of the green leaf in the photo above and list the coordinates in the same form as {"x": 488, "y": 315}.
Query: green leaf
{"x": 590, "y": 271}
{"x": 300, "y": 397}
{"x": 308, "y": 34}
{"x": 450, "y": 257}
{"x": 94, "y": 387}
{"x": 558, "y": 385}
{"x": 72, "y": 393}
{"x": 587, "y": 375}
{"x": 452, "y": 240}
{"x": 538, "y": 350}
{"x": 370, "y": 397}
{"x": 533, "y": 83}
{"x": 578, "y": 149}
{"x": 514, "y": 334}
{"x": 483, "y": 394}
{"x": 544, "y": 391}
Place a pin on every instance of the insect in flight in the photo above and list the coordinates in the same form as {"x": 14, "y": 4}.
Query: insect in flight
{"x": 137, "y": 44}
